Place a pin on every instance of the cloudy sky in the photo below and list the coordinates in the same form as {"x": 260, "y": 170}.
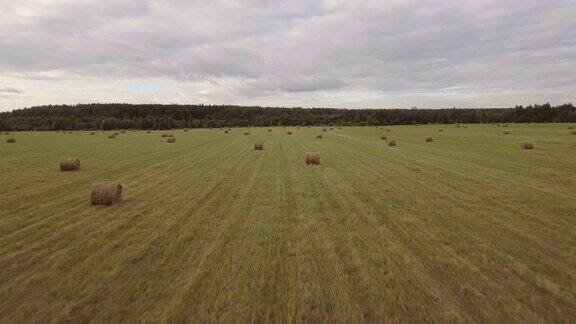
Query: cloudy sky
{"x": 332, "y": 53}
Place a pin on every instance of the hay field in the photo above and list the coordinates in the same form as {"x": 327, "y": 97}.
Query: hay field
{"x": 467, "y": 228}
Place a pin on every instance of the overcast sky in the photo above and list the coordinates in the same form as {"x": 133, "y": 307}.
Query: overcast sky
{"x": 333, "y": 53}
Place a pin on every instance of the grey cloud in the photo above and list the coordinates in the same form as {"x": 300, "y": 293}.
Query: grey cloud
{"x": 502, "y": 49}
{"x": 9, "y": 90}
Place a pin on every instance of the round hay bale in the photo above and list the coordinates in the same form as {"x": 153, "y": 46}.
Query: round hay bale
{"x": 258, "y": 146}
{"x": 392, "y": 142}
{"x": 570, "y": 127}
{"x": 92, "y": 133}
{"x": 506, "y": 132}
{"x": 122, "y": 132}
{"x": 383, "y": 137}
{"x": 225, "y": 132}
{"x": 440, "y": 129}
{"x": 105, "y": 193}
{"x": 246, "y": 133}
{"x": 527, "y": 145}
{"x": 269, "y": 130}
{"x": 388, "y": 130}
{"x": 288, "y": 133}
{"x": 313, "y": 158}
{"x": 8, "y": 133}
{"x": 171, "y": 140}
{"x": 323, "y": 129}
{"x": 112, "y": 136}
{"x": 11, "y": 140}
{"x": 164, "y": 134}
{"x": 70, "y": 164}
{"x": 429, "y": 139}
{"x": 148, "y": 132}
{"x": 318, "y": 135}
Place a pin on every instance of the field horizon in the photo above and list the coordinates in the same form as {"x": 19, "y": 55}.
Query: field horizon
{"x": 469, "y": 227}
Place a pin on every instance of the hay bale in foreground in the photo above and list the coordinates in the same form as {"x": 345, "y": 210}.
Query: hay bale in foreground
{"x": 258, "y": 146}
{"x": 313, "y": 158}
{"x": 527, "y": 145}
{"x": 70, "y": 164}
{"x": 318, "y": 135}
{"x": 105, "y": 193}
{"x": 171, "y": 139}
{"x": 392, "y": 142}
{"x": 429, "y": 139}
{"x": 11, "y": 140}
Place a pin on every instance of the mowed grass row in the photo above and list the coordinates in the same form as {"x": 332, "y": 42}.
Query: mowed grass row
{"x": 469, "y": 227}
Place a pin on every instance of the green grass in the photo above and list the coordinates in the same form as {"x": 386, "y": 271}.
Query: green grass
{"x": 467, "y": 228}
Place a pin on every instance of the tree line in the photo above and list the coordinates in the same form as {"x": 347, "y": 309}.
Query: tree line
{"x": 155, "y": 116}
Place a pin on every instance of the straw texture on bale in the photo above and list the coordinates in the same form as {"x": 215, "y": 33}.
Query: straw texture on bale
{"x": 258, "y": 146}
{"x": 391, "y": 142}
{"x": 313, "y": 158}
{"x": 171, "y": 140}
{"x": 429, "y": 139}
{"x": 70, "y": 164}
{"x": 11, "y": 140}
{"x": 527, "y": 145}
{"x": 318, "y": 135}
{"x": 106, "y": 193}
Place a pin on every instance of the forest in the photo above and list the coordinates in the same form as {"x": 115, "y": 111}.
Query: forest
{"x": 158, "y": 116}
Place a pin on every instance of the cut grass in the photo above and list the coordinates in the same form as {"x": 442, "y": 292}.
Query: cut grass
{"x": 472, "y": 228}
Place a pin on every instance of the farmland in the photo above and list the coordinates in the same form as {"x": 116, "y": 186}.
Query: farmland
{"x": 469, "y": 227}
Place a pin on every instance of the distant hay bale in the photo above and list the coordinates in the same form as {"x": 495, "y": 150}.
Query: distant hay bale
{"x": 171, "y": 139}
{"x": 331, "y": 128}
{"x": 339, "y": 127}
{"x": 323, "y": 129}
{"x": 112, "y": 136}
{"x": 527, "y": 145}
{"x": 122, "y": 132}
{"x": 506, "y": 132}
{"x": 70, "y": 164}
{"x": 440, "y": 129}
{"x": 429, "y": 139}
{"x": 573, "y": 132}
{"x": 170, "y": 135}
{"x": 148, "y": 131}
{"x": 185, "y": 129}
{"x": 570, "y": 127}
{"x": 312, "y": 158}
{"x": 258, "y": 146}
{"x": 391, "y": 142}
{"x": 92, "y": 133}
{"x": 246, "y": 133}
{"x": 269, "y": 130}
{"x": 105, "y": 193}
{"x": 69, "y": 132}
{"x": 288, "y": 133}
{"x": 11, "y": 140}
{"x": 388, "y": 130}
{"x": 225, "y": 132}
{"x": 383, "y": 137}
{"x": 164, "y": 134}
{"x": 318, "y": 135}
